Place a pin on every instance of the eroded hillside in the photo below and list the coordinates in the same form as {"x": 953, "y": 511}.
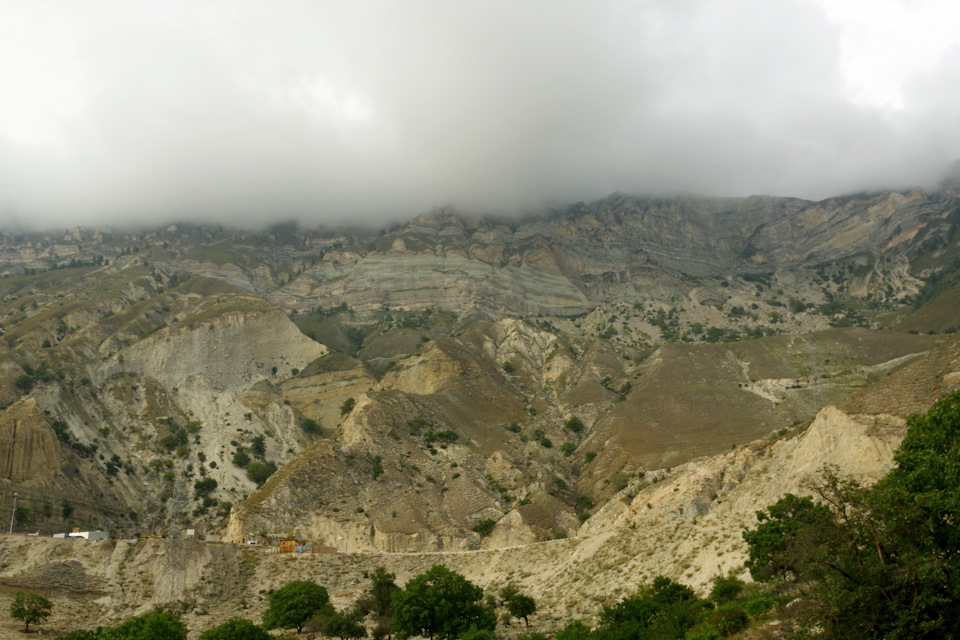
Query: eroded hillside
{"x": 395, "y": 390}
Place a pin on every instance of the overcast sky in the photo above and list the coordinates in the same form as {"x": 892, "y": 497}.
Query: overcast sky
{"x": 239, "y": 110}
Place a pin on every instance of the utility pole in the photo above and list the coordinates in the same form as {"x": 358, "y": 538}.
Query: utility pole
{"x": 13, "y": 514}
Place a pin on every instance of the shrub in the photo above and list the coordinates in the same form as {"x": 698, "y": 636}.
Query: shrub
{"x": 485, "y": 526}
{"x": 260, "y": 471}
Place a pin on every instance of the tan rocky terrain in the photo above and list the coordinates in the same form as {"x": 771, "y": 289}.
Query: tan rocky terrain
{"x": 684, "y": 523}
{"x": 612, "y": 389}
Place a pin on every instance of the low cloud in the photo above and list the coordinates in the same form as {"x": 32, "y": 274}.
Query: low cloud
{"x": 379, "y": 110}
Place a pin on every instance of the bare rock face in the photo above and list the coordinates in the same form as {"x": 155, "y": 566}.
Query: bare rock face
{"x": 28, "y": 446}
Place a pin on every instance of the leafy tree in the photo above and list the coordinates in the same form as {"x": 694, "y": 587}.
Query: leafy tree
{"x": 311, "y": 426}
{"x": 440, "y": 603}
{"x": 236, "y": 629}
{"x": 293, "y": 604}
{"x": 260, "y": 471}
{"x": 259, "y": 445}
{"x": 669, "y": 606}
{"x": 204, "y": 487}
{"x": 345, "y": 626}
{"x": 241, "y": 458}
{"x": 157, "y": 626}
{"x": 725, "y": 589}
{"x": 30, "y": 608}
{"x": 879, "y": 562}
{"x": 781, "y": 544}
{"x": 575, "y": 630}
{"x": 378, "y": 601}
{"x": 521, "y": 606}
{"x": 574, "y": 423}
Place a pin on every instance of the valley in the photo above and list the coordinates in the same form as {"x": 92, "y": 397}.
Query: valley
{"x": 575, "y": 401}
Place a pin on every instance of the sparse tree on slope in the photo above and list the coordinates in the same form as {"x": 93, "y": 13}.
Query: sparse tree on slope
{"x": 440, "y": 604}
{"x": 293, "y": 604}
{"x": 30, "y": 608}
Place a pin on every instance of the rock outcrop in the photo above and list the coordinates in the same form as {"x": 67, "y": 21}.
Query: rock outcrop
{"x": 29, "y": 450}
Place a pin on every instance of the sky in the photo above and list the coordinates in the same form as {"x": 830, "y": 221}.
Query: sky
{"x": 240, "y": 111}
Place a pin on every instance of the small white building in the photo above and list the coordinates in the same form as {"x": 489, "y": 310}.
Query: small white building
{"x": 86, "y": 535}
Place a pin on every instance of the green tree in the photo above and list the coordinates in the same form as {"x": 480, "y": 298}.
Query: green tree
{"x": 521, "y": 606}
{"x": 347, "y": 406}
{"x": 575, "y": 630}
{"x": 377, "y": 601}
{"x": 311, "y": 426}
{"x": 30, "y": 608}
{"x": 236, "y": 629}
{"x": 241, "y": 458}
{"x": 259, "y": 472}
{"x": 440, "y": 603}
{"x": 345, "y": 626}
{"x": 293, "y": 604}
{"x": 204, "y": 487}
{"x": 781, "y": 544}
{"x": 574, "y": 423}
{"x": 157, "y": 626}
{"x": 667, "y": 606}
{"x": 879, "y": 562}
{"x": 259, "y": 445}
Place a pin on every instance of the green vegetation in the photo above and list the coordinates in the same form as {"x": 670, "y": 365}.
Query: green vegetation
{"x": 876, "y": 562}
{"x": 236, "y": 629}
{"x": 312, "y": 426}
{"x": 377, "y": 601}
{"x": 292, "y": 605}
{"x": 30, "y": 608}
{"x": 518, "y": 605}
{"x": 485, "y": 526}
{"x": 440, "y": 604}
{"x": 156, "y": 626}
{"x": 259, "y": 472}
{"x": 347, "y": 406}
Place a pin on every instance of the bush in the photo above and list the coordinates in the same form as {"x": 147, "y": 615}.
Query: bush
{"x": 575, "y": 424}
{"x": 485, "y": 526}
{"x": 725, "y": 589}
{"x": 236, "y": 629}
{"x": 728, "y": 619}
{"x": 260, "y": 471}
{"x": 204, "y": 487}
{"x": 241, "y": 458}
{"x": 24, "y": 382}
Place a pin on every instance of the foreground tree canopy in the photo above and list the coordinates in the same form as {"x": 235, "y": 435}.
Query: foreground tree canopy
{"x": 158, "y": 626}
{"x": 880, "y": 562}
{"x": 292, "y": 605}
{"x": 235, "y": 629}
{"x": 440, "y": 604}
